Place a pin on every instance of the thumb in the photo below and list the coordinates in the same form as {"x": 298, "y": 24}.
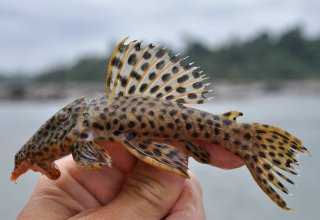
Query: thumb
{"x": 149, "y": 193}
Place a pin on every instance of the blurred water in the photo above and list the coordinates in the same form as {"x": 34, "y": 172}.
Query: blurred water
{"x": 227, "y": 194}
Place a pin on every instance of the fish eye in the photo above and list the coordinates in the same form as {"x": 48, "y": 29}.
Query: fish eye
{"x": 63, "y": 114}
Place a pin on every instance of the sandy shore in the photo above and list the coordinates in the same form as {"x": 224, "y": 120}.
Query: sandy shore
{"x": 221, "y": 90}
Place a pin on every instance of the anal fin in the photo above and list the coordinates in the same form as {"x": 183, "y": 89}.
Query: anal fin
{"x": 157, "y": 154}
{"x": 90, "y": 155}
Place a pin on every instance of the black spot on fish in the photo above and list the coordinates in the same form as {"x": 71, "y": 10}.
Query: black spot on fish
{"x": 135, "y": 75}
{"x": 261, "y": 131}
{"x": 160, "y": 53}
{"x": 170, "y": 125}
{"x": 121, "y": 128}
{"x": 184, "y": 116}
{"x": 144, "y": 66}
{"x": 173, "y": 112}
{"x": 187, "y": 67}
{"x": 132, "y": 59}
{"x": 143, "y": 125}
{"x": 139, "y": 117}
{"x": 175, "y": 69}
{"x": 195, "y": 135}
{"x": 181, "y": 89}
{"x": 143, "y": 87}
{"x": 160, "y": 65}
{"x": 132, "y": 89}
{"x": 84, "y": 135}
{"x": 227, "y": 122}
{"x": 154, "y": 89}
{"x": 124, "y": 82}
{"x": 152, "y": 124}
{"x": 161, "y": 117}
{"x": 122, "y": 117}
{"x": 108, "y": 126}
{"x": 196, "y": 74}
{"x": 116, "y": 62}
{"x": 165, "y": 77}
{"x": 188, "y": 126}
{"x": 197, "y": 85}
{"x": 192, "y": 96}
{"x": 181, "y": 100}
{"x": 152, "y": 75}
{"x": 168, "y": 88}
{"x": 170, "y": 97}
{"x": 171, "y": 154}
{"x": 247, "y": 136}
{"x": 146, "y": 55}
{"x": 182, "y": 79}
{"x": 209, "y": 122}
{"x": 102, "y": 116}
{"x": 98, "y": 126}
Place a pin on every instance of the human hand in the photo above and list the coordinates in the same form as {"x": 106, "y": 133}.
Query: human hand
{"x": 130, "y": 189}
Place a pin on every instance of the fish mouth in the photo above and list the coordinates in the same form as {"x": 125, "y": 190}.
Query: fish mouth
{"x": 51, "y": 170}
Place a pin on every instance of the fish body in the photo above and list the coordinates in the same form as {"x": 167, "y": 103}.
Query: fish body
{"x": 143, "y": 109}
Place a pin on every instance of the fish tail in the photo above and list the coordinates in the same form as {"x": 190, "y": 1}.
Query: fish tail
{"x": 270, "y": 149}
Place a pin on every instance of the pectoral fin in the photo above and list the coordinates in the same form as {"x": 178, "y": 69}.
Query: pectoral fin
{"x": 157, "y": 154}
{"x": 90, "y": 155}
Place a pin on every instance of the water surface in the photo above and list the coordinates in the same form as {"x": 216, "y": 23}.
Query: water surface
{"x": 228, "y": 194}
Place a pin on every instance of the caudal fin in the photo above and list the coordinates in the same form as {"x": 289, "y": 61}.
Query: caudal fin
{"x": 272, "y": 149}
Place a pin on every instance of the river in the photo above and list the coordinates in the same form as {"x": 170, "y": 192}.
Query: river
{"x": 228, "y": 194}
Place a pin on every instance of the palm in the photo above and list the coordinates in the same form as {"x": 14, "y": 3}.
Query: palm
{"x": 80, "y": 192}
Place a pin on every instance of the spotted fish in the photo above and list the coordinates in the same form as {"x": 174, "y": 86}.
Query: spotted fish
{"x": 144, "y": 110}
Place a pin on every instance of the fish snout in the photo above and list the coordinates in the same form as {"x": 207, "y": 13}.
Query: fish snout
{"x": 20, "y": 169}
{"x": 50, "y": 169}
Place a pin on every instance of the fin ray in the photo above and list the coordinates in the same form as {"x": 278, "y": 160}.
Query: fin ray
{"x": 157, "y": 154}
{"x": 154, "y": 72}
{"x": 271, "y": 149}
{"x": 90, "y": 155}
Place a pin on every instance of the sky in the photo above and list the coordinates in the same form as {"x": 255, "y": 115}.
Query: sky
{"x": 39, "y": 34}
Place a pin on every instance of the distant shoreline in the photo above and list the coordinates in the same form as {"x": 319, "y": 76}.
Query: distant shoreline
{"x": 222, "y": 90}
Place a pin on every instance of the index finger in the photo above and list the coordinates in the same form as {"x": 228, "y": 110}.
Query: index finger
{"x": 220, "y": 157}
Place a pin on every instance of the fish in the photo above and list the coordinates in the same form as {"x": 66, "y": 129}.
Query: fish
{"x": 145, "y": 109}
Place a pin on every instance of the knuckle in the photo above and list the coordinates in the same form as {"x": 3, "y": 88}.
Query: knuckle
{"x": 146, "y": 188}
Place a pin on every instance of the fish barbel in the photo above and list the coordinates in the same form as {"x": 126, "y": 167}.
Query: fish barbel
{"x": 143, "y": 109}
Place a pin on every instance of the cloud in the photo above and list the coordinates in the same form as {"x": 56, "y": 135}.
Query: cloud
{"x": 36, "y": 33}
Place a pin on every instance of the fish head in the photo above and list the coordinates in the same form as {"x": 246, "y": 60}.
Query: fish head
{"x": 53, "y": 140}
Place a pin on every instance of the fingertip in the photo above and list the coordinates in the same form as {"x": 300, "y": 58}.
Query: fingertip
{"x": 224, "y": 159}
{"x": 121, "y": 158}
{"x": 196, "y": 183}
{"x": 190, "y": 203}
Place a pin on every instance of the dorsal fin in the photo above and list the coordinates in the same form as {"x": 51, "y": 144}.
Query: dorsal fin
{"x": 153, "y": 72}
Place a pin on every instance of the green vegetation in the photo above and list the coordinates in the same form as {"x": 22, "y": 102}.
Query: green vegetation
{"x": 17, "y": 78}
{"x": 86, "y": 69}
{"x": 290, "y": 56}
